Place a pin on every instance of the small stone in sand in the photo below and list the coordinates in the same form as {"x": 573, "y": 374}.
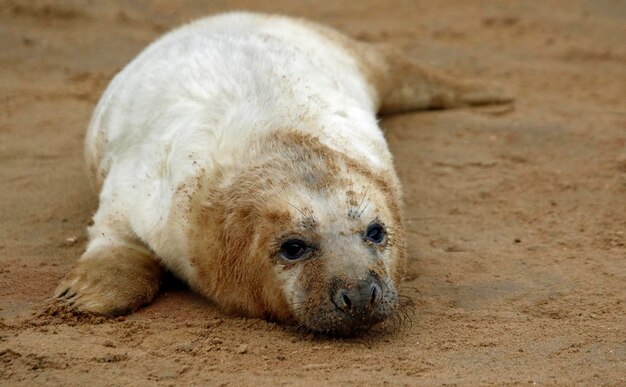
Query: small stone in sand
{"x": 71, "y": 241}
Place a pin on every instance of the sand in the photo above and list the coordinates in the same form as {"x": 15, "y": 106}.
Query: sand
{"x": 516, "y": 214}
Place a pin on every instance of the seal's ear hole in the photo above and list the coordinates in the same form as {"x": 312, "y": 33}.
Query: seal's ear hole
{"x": 375, "y": 233}
{"x": 293, "y": 249}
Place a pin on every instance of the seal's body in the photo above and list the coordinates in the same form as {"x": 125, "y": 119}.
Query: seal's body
{"x": 242, "y": 153}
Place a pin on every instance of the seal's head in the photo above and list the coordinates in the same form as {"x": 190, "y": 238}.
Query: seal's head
{"x": 308, "y": 236}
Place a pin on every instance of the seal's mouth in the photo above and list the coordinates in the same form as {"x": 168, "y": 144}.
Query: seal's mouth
{"x": 349, "y": 308}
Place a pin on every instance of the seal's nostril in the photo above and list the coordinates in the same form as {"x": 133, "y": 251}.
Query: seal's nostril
{"x": 343, "y": 301}
{"x": 376, "y": 294}
{"x": 347, "y": 301}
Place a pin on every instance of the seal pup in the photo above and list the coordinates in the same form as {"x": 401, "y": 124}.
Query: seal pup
{"x": 242, "y": 153}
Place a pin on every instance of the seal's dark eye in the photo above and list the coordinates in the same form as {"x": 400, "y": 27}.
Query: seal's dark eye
{"x": 375, "y": 233}
{"x": 293, "y": 249}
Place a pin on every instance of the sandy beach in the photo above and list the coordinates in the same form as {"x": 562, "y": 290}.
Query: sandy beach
{"x": 516, "y": 213}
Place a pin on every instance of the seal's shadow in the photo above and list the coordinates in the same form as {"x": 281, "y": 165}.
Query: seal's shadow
{"x": 171, "y": 283}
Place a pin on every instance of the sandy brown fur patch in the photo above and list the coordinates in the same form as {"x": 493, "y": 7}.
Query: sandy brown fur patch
{"x": 229, "y": 246}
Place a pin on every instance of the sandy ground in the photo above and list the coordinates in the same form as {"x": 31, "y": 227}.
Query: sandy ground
{"x": 516, "y": 214}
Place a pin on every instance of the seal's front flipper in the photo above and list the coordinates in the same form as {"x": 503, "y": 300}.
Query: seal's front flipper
{"x": 404, "y": 85}
{"x": 111, "y": 280}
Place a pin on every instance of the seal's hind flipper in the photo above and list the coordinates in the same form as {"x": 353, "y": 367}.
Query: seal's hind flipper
{"x": 404, "y": 85}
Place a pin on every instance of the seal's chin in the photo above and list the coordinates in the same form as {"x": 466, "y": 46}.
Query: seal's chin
{"x": 350, "y": 311}
{"x": 341, "y": 325}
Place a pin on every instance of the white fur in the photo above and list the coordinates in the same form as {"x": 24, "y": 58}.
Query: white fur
{"x": 198, "y": 98}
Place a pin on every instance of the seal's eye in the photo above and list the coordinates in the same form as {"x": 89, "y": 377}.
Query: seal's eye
{"x": 375, "y": 233}
{"x": 293, "y": 249}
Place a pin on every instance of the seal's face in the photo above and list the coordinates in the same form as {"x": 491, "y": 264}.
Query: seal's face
{"x": 311, "y": 237}
{"x": 337, "y": 258}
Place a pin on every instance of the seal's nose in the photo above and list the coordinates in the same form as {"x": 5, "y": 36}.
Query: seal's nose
{"x": 359, "y": 301}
